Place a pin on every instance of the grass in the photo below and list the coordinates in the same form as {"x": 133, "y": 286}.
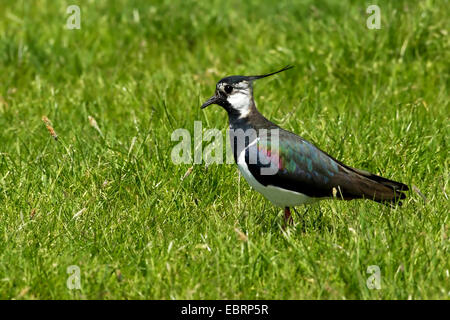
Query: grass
{"x": 111, "y": 201}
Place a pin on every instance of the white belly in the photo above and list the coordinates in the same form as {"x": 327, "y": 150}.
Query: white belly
{"x": 278, "y": 196}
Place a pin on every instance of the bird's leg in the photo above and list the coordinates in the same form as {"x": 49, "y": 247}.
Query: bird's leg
{"x": 287, "y": 216}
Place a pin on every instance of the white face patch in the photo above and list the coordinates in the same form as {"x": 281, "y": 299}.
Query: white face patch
{"x": 241, "y": 101}
{"x": 240, "y": 98}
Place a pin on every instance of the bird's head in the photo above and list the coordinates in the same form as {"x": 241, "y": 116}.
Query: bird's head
{"x": 235, "y": 93}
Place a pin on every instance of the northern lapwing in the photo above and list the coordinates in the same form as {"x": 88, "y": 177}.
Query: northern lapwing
{"x": 296, "y": 171}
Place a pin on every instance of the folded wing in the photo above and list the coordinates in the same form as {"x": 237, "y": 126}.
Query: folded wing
{"x": 297, "y": 165}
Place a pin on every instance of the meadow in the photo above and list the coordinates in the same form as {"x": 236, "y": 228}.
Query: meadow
{"x": 105, "y": 199}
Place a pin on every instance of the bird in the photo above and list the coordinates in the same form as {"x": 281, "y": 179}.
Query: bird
{"x": 285, "y": 168}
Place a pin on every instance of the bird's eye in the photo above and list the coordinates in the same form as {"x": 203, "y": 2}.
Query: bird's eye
{"x": 228, "y": 88}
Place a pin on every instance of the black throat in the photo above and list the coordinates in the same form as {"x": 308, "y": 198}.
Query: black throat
{"x": 253, "y": 121}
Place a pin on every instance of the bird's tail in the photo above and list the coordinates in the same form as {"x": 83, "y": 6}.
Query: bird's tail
{"x": 380, "y": 189}
{"x": 357, "y": 184}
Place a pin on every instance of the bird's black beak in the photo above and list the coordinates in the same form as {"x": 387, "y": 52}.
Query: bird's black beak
{"x": 214, "y": 99}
